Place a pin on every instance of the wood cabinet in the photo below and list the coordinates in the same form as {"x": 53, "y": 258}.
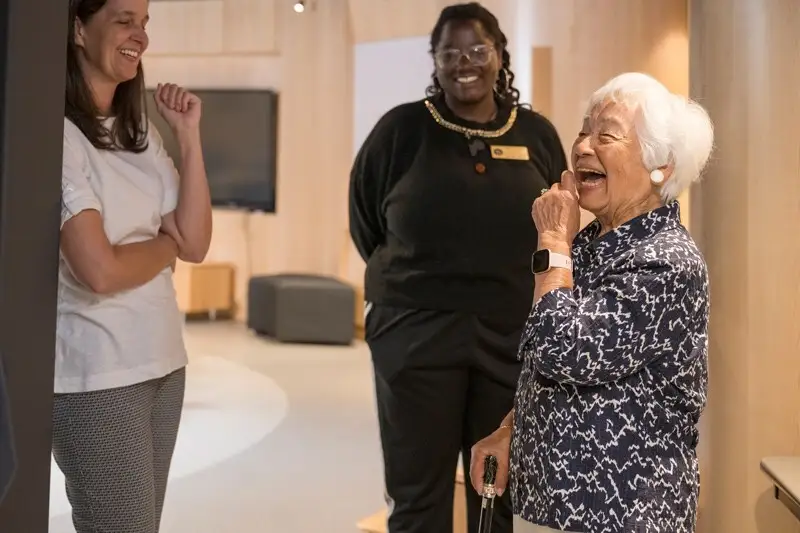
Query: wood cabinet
{"x": 205, "y": 288}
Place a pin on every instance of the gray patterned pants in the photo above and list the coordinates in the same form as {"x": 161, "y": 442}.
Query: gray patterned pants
{"x": 115, "y": 448}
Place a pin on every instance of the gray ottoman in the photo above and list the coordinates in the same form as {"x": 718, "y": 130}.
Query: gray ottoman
{"x": 301, "y": 308}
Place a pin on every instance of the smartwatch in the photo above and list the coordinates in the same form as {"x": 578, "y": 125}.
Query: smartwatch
{"x": 543, "y": 260}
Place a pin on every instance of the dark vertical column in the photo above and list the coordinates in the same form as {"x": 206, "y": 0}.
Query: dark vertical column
{"x": 32, "y": 64}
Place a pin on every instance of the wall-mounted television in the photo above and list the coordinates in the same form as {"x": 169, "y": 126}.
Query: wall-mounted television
{"x": 239, "y": 129}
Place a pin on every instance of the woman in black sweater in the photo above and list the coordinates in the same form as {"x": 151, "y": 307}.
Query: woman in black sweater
{"x": 440, "y": 210}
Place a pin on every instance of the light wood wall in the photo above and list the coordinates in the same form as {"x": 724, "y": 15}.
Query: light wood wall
{"x": 308, "y": 57}
{"x": 745, "y": 57}
{"x": 396, "y": 19}
{"x": 213, "y": 27}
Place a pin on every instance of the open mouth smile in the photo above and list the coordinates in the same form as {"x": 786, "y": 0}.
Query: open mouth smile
{"x": 590, "y": 177}
{"x": 467, "y": 76}
{"x": 130, "y": 53}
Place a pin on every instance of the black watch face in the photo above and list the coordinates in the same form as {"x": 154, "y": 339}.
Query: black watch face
{"x": 540, "y": 261}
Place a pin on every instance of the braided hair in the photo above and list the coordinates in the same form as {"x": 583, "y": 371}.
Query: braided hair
{"x": 473, "y": 11}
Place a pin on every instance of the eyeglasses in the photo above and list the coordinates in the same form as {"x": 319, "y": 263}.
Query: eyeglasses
{"x": 477, "y": 55}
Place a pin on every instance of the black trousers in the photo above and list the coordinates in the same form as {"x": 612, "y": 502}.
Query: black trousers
{"x": 443, "y": 381}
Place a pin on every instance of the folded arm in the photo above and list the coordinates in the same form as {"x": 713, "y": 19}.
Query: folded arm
{"x": 633, "y": 318}
{"x": 96, "y": 263}
{"x": 105, "y": 268}
{"x": 188, "y": 194}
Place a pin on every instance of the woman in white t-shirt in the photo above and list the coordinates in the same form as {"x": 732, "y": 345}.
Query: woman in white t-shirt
{"x": 127, "y": 215}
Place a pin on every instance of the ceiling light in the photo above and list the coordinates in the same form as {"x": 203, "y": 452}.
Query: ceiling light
{"x": 299, "y": 7}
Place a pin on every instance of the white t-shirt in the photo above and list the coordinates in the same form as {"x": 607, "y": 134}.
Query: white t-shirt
{"x": 108, "y": 341}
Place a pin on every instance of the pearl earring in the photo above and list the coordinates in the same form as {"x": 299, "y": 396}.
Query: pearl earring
{"x": 657, "y": 177}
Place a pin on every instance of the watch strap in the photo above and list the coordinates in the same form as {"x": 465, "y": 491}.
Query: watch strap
{"x": 545, "y": 259}
{"x": 560, "y": 261}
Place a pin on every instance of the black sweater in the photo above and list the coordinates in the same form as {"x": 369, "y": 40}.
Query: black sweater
{"x": 435, "y": 231}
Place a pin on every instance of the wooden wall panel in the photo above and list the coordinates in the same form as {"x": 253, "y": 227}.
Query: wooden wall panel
{"x": 380, "y": 20}
{"x": 542, "y": 83}
{"x": 214, "y": 27}
{"x": 745, "y": 57}
{"x": 315, "y": 143}
{"x": 218, "y": 71}
{"x": 250, "y": 27}
{"x": 185, "y": 27}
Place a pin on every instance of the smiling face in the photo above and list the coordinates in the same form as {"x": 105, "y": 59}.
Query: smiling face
{"x": 467, "y": 62}
{"x": 111, "y": 42}
{"x": 613, "y": 183}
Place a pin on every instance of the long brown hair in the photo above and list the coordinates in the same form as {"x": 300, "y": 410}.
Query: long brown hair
{"x": 129, "y": 131}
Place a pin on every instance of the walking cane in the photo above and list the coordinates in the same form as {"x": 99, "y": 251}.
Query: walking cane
{"x": 488, "y": 494}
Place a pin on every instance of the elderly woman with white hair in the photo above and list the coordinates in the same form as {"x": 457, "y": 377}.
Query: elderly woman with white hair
{"x": 603, "y": 435}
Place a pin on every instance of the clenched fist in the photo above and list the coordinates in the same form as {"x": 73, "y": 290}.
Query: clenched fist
{"x": 179, "y": 107}
{"x": 556, "y": 213}
{"x": 497, "y": 444}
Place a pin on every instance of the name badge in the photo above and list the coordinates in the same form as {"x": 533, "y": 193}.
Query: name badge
{"x": 517, "y": 153}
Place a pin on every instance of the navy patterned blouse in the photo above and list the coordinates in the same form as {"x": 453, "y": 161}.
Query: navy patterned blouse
{"x": 613, "y": 383}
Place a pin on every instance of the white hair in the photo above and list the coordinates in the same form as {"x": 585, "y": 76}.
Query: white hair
{"x": 671, "y": 128}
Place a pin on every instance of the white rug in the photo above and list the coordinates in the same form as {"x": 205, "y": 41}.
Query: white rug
{"x": 228, "y": 409}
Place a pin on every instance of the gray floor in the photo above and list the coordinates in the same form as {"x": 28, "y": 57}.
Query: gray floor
{"x": 275, "y": 437}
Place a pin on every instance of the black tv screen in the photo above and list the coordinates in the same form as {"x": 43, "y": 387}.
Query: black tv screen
{"x": 239, "y": 130}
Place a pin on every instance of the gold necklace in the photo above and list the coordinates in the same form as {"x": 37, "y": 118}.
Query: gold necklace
{"x": 472, "y": 132}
